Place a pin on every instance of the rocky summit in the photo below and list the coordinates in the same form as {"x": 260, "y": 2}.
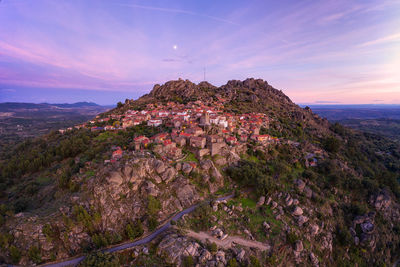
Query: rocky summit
{"x": 199, "y": 175}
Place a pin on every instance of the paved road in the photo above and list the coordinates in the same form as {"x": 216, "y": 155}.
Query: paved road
{"x": 145, "y": 240}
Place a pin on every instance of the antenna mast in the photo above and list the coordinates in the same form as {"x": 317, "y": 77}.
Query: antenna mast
{"x": 204, "y": 73}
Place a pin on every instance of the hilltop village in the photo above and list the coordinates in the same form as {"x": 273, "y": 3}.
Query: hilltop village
{"x": 204, "y": 129}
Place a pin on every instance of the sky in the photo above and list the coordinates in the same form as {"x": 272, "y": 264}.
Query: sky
{"x": 317, "y": 52}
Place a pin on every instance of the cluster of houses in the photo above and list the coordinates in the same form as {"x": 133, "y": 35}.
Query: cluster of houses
{"x": 204, "y": 129}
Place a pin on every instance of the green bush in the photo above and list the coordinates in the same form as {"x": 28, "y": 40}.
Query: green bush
{"x": 99, "y": 240}
{"x": 15, "y": 254}
{"x": 35, "y": 254}
{"x": 332, "y": 144}
{"x": 153, "y": 205}
{"x": 50, "y": 232}
{"x": 188, "y": 261}
{"x": 100, "y": 259}
{"x": 152, "y": 223}
{"x": 134, "y": 230}
{"x": 254, "y": 262}
{"x": 213, "y": 247}
{"x": 291, "y": 238}
{"x": 89, "y": 221}
{"x": 233, "y": 263}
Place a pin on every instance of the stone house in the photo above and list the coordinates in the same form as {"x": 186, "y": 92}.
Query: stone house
{"x": 195, "y": 131}
{"x": 215, "y": 148}
{"x": 214, "y": 139}
{"x": 180, "y": 141}
{"x": 202, "y": 152}
{"x": 198, "y": 141}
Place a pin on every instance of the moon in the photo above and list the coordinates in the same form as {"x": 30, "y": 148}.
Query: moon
{"x": 175, "y": 47}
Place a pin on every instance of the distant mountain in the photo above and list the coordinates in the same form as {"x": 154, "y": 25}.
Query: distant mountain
{"x": 16, "y": 105}
{"x": 75, "y": 105}
{"x": 368, "y": 111}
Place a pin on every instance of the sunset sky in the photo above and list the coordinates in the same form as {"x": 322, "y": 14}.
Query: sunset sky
{"x": 341, "y": 51}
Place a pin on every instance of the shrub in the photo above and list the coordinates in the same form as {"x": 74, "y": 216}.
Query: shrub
{"x": 254, "y": 262}
{"x": 233, "y": 263}
{"x": 331, "y": 144}
{"x": 188, "y": 261}
{"x": 15, "y": 254}
{"x": 134, "y": 230}
{"x": 291, "y": 238}
{"x": 99, "y": 240}
{"x": 49, "y": 232}
{"x": 35, "y": 254}
{"x": 85, "y": 218}
{"x": 343, "y": 236}
{"x": 153, "y": 205}
{"x": 152, "y": 223}
{"x": 21, "y": 205}
{"x": 5, "y": 239}
{"x": 213, "y": 247}
{"x": 100, "y": 259}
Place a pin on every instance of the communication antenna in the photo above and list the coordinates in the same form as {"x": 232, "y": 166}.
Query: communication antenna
{"x": 203, "y": 69}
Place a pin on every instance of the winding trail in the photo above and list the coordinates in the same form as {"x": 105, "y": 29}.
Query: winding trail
{"x": 142, "y": 241}
{"x": 229, "y": 241}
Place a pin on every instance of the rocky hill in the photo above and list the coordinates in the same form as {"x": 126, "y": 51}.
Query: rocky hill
{"x": 302, "y": 191}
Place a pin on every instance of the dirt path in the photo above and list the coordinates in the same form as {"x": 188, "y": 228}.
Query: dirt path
{"x": 229, "y": 241}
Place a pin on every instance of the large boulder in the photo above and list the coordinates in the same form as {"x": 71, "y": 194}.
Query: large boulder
{"x": 308, "y": 192}
{"x": 220, "y": 257}
{"x": 240, "y": 255}
{"x": 151, "y": 188}
{"x": 382, "y": 200}
{"x": 159, "y": 166}
{"x": 187, "y": 168}
{"x": 206, "y": 164}
{"x": 298, "y": 246}
{"x": 297, "y": 211}
{"x": 300, "y": 184}
{"x": 205, "y": 256}
{"x": 187, "y": 195}
{"x": 302, "y": 220}
{"x": 261, "y": 201}
{"x": 168, "y": 175}
{"x": 116, "y": 178}
{"x": 174, "y": 248}
{"x": 367, "y": 227}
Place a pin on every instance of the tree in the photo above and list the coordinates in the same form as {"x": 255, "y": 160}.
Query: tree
{"x": 120, "y": 105}
{"x": 134, "y": 230}
{"x": 153, "y": 205}
{"x": 152, "y": 223}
